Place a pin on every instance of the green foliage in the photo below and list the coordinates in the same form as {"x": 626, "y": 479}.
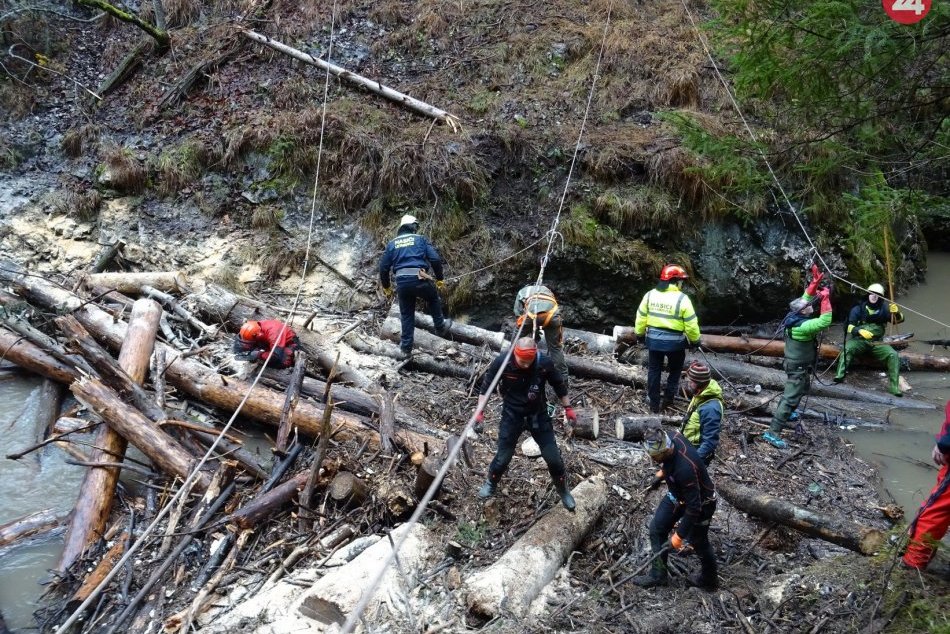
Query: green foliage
{"x": 181, "y": 166}
{"x": 470, "y": 533}
{"x": 729, "y": 167}
{"x": 874, "y": 211}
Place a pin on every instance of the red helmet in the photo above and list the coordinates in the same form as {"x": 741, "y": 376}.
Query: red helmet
{"x": 673, "y": 272}
{"x": 250, "y": 330}
{"x": 526, "y": 349}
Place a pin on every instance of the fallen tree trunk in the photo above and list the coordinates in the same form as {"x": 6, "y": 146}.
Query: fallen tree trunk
{"x": 32, "y": 525}
{"x": 376, "y": 87}
{"x": 518, "y": 576}
{"x": 18, "y": 350}
{"x": 97, "y": 492}
{"x": 776, "y": 348}
{"x": 163, "y": 450}
{"x": 169, "y": 281}
{"x": 200, "y": 381}
{"x": 161, "y": 35}
{"x": 837, "y": 530}
{"x": 263, "y": 506}
{"x": 831, "y": 411}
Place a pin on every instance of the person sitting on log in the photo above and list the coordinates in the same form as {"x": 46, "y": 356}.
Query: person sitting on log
{"x": 409, "y": 256}
{"x": 525, "y": 408}
{"x": 667, "y": 319}
{"x": 933, "y": 519}
{"x": 684, "y": 513}
{"x": 801, "y": 351}
{"x": 539, "y": 306}
{"x": 256, "y": 338}
{"x": 703, "y": 419}
{"x": 864, "y": 331}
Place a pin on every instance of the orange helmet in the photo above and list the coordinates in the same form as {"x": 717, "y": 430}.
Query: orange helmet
{"x": 250, "y": 330}
{"x": 673, "y": 272}
{"x": 526, "y": 349}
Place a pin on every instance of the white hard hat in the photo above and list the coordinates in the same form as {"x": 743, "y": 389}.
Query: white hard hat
{"x": 877, "y": 289}
{"x": 408, "y": 219}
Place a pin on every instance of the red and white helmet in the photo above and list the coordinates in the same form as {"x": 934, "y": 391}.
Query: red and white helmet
{"x": 673, "y": 272}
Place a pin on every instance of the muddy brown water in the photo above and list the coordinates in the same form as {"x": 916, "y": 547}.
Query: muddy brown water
{"x": 42, "y": 480}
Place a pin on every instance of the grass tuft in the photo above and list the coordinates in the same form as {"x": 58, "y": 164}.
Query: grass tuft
{"x": 81, "y": 205}
{"x": 76, "y": 141}
{"x": 123, "y": 172}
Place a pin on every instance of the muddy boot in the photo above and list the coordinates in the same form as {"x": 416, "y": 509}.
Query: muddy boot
{"x": 487, "y": 490}
{"x": 656, "y": 577}
{"x": 446, "y": 328}
{"x": 703, "y": 581}
{"x": 567, "y": 499}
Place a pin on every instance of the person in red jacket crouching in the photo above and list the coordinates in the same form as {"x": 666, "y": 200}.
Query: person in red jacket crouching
{"x": 934, "y": 516}
{"x": 256, "y": 339}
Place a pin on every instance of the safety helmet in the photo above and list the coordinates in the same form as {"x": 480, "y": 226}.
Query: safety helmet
{"x": 798, "y": 304}
{"x": 877, "y": 289}
{"x": 250, "y": 330}
{"x": 408, "y": 219}
{"x": 673, "y": 272}
{"x": 656, "y": 442}
{"x": 526, "y": 349}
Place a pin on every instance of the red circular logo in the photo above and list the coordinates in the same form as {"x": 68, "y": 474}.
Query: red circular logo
{"x": 907, "y": 11}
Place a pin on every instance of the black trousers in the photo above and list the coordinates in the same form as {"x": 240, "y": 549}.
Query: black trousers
{"x": 674, "y": 360}
{"x": 509, "y": 431}
{"x": 667, "y": 514}
{"x": 408, "y": 290}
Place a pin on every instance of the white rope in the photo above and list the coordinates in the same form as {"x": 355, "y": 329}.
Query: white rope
{"x": 186, "y": 485}
{"x": 768, "y": 165}
{"x": 367, "y": 595}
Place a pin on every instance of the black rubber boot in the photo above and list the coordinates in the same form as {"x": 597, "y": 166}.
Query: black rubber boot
{"x": 656, "y": 577}
{"x": 560, "y": 485}
{"x": 702, "y": 580}
{"x": 446, "y": 328}
{"x": 487, "y": 490}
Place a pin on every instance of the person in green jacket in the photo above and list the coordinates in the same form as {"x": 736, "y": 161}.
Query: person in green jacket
{"x": 703, "y": 420}
{"x": 801, "y": 352}
{"x": 865, "y": 329}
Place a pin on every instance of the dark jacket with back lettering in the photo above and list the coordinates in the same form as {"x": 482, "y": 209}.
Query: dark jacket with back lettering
{"x": 409, "y": 250}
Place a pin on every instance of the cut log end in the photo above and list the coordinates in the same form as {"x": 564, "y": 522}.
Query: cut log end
{"x": 588, "y": 423}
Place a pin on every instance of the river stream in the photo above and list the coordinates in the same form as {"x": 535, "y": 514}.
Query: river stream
{"x": 42, "y": 480}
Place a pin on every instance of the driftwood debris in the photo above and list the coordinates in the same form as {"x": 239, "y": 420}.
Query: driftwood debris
{"x": 290, "y": 403}
{"x": 517, "y": 577}
{"x": 347, "y": 489}
{"x": 96, "y": 494}
{"x": 263, "y": 506}
{"x": 837, "y": 530}
{"x": 168, "y": 281}
{"x": 587, "y": 425}
{"x": 29, "y": 526}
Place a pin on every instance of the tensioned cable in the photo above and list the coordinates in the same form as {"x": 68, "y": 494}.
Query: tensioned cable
{"x": 186, "y": 485}
{"x": 768, "y": 165}
{"x": 368, "y": 592}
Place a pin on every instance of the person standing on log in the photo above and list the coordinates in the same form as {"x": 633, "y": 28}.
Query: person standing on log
{"x": 539, "y": 307}
{"x": 703, "y": 419}
{"x": 801, "y": 351}
{"x": 864, "y": 331}
{"x": 409, "y": 256}
{"x": 525, "y": 408}
{"x": 667, "y": 319}
{"x": 256, "y": 338}
{"x": 684, "y": 513}
{"x": 933, "y": 519}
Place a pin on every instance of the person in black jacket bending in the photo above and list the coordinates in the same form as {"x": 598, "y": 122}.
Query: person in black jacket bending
{"x": 525, "y": 408}
{"x": 691, "y": 501}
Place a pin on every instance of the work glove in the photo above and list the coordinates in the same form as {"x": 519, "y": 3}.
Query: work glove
{"x": 894, "y": 308}
{"x": 570, "y": 414}
{"x": 440, "y": 284}
{"x": 388, "y": 292}
{"x": 816, "y": 277}
{"x": 865, "y": 334}
{"x": 676, "y": 542}
{"x": 693, "y": 345}
{"x": 825, "y": 295}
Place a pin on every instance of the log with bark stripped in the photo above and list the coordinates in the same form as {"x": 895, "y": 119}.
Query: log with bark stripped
{"x": 29, "y": 526}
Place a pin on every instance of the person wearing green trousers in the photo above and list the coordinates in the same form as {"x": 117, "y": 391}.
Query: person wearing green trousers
{"x": 801, "y": 352}
{"x": 865, "y": 329}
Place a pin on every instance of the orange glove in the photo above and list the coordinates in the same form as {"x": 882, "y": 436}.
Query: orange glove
{"x": 676, "y": 542}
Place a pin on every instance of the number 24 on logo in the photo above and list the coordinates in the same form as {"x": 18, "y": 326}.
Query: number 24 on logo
{"x": 917, "y": 6}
